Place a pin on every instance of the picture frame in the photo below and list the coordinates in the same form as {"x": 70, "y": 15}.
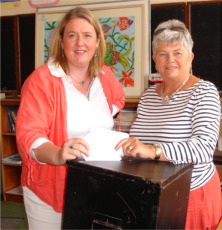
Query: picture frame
{"x": 125, "y": 25}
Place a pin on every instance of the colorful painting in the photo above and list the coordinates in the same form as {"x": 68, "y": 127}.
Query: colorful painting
{"x": 48, "y": 30}
{"x": 125, "y": 27}
{"x": 119, "y": 33}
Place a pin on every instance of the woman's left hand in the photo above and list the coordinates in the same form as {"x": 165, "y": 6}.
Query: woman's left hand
{"x": 132, "y": 147}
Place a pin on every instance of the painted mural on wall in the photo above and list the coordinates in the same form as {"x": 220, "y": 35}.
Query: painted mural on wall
{"x": 119, "y": 33}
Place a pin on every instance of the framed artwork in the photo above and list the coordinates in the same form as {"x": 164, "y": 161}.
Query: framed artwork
{"x": 126, "y": 28}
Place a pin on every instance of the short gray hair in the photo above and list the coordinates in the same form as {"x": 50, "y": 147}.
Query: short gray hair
{"x": 172, "y": 31}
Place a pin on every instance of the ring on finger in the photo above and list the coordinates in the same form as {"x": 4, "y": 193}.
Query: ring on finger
{"x": 72, "y": 146}
{"x": 129, "y": 149}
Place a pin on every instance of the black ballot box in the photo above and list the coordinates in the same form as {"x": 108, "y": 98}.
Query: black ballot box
{"x": 138, "y": 194}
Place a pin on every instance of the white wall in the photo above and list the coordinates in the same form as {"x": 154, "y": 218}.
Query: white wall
{"x": 25, "y": 7}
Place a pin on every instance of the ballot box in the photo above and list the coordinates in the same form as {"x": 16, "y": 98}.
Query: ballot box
{"x": 138, "y": 194}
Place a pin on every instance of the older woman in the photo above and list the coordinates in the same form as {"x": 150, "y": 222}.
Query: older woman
{"x": 178, "y": 121}
{"x": 60, "y": 102}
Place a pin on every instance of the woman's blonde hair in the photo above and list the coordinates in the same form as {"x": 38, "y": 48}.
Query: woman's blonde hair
{"x": 56, "y": 52}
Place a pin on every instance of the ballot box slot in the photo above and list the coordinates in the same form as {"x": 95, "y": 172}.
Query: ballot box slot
{"x": 103, "y": 221}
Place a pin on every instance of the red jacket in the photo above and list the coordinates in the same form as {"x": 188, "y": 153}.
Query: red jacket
{"x": 42, "y": 113}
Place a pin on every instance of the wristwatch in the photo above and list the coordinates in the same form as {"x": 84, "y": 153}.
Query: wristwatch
{"x": 158, "y": 151}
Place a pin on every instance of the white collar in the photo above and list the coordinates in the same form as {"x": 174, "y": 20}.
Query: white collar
{"x": 56, "y": 70}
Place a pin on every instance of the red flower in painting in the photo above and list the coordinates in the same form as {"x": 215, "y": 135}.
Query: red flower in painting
{"x": 124, "y": 23}
{"x": 126, "y": 79}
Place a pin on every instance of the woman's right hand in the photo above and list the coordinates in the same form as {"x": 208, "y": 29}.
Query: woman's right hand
{"x": 51, "y": 154}
{"x": 73, "y": 149}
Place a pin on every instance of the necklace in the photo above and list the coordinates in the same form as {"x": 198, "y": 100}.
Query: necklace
{"x": 82, "y": 83}
{"x": 166, "y": 99}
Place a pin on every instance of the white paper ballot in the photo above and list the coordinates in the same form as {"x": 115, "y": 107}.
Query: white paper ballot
{"x": 102, "y": 143}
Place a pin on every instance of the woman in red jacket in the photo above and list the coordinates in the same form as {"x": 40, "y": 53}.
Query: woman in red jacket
{"x": 60, "y": 102}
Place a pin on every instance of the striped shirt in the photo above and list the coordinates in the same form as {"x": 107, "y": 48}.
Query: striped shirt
{"x": 187, "y": 128}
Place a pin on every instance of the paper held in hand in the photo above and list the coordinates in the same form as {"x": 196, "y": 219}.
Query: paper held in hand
{"x": 102, "y": 143}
